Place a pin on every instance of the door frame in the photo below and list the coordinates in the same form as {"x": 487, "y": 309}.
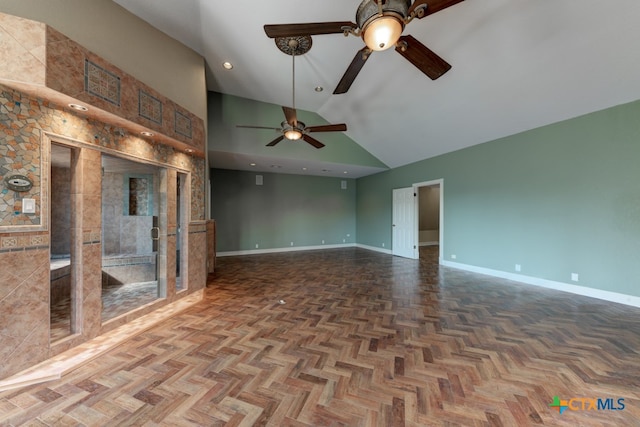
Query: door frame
{"x": 416, "y": 187}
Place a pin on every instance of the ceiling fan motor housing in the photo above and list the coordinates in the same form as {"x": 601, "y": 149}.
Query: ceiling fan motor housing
{"x": 368, "y": 9}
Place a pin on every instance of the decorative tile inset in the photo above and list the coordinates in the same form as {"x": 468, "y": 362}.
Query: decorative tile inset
{"x": 38, "y": 240}
{"x": 149, "y": 107}
{"x": 9, "y": 242}
{"x": 101, "y": 82}
{"x": 183, "y": 124}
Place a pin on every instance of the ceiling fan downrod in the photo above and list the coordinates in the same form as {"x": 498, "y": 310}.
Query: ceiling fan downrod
{"x": 293, "y": 43}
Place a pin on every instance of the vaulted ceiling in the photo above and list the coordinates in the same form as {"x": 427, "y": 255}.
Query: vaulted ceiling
{"x": 516, "y": 65}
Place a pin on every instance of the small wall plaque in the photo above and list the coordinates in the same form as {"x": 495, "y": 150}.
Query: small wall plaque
{"x": 18, "y": 183}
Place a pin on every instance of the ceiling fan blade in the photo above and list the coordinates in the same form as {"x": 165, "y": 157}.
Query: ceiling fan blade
{"x": 258, "y": 127}
{"x": 327, "y": 128}
{"x": 433, "y": 6}
{"x": 291, "y": 115}
{"x": 312, "y": 141}
{"x": 353, "y": 70}
{"x": 422, "y": 57}
{"x": 275, "y": 141}
{"x": 310, "y": 29}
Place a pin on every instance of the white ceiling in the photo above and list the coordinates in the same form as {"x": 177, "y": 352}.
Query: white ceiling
{"x": 517, "y": 65}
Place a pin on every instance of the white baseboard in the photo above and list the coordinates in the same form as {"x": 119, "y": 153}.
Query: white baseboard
{"x": 301, "y": 248}
{"x": 373, "y": 248}
{"x": 285, "y": 249}
{"x": 433, "y": 243}
{"x": 550, "y": 284}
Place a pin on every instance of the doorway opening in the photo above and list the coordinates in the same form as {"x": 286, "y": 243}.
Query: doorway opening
{"x": 429, "y": 219}
{"x": 62, "y": 278}
{"x": 131, "y": 231}
{"x": 418, "y": 224}
{"x": 181, "y": 231}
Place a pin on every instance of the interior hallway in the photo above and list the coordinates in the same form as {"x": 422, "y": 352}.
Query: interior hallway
{"x": 353, "y": 337}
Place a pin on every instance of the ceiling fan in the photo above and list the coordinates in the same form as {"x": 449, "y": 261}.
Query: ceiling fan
{"x": 380, "y": 23}
{"x": 293, "y": 129}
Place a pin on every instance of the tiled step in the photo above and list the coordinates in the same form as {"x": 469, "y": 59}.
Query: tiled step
{"x": 64, "y": 363}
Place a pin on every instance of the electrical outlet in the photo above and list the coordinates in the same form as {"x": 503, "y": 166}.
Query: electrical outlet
{"x": 291, "y": 243}
{"x": 454, "y": 256}
{"x": 256, "y": 246}
{"x": 344, "y": 240}
{"x": 574, "y": 277}
{"x": 323, "y": 242}
{"x": 383, "y": 245}
{"x": 518, "y": 267}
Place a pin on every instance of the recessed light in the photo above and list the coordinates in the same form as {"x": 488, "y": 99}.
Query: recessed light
{"x": 145, "y": 133}
{"x": 345, "y": 172}
{"x": 304, "y": 169}
{"x": 252, "y": 164}
{"x": 227, "y": 65}
{"x": 78, "y": 107}
{"x": 319, "y": 89}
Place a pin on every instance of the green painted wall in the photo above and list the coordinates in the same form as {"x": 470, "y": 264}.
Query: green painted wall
{"x": 286, "y": 208}
{"x": 560, "y": 199}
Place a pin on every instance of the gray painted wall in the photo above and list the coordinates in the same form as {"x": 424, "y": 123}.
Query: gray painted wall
{"x": 287, "y": 208}
{"x": 560, "y": 199}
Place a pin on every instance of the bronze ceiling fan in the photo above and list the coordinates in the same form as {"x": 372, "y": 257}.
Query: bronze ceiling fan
{"x": 380, "y": 23}
{"x": 293, "y": 129}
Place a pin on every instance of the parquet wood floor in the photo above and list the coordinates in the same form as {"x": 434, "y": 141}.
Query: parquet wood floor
{"x": 350, "y": 337}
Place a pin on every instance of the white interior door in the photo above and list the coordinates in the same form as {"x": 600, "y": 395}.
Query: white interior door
{"x": 404, "y": 216}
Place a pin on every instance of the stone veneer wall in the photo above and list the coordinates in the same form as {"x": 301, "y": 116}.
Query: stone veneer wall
{"x": 25, "y": 124}
{"x": 22, "y": 121}
{"x": 19, "y": 154}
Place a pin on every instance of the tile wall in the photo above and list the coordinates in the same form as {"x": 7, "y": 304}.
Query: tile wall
{"x": 41, "y": 73}
{"x": 26, "y": 126}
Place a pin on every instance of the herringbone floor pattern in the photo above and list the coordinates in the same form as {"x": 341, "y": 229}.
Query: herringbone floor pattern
{"x": 351, "y": 337}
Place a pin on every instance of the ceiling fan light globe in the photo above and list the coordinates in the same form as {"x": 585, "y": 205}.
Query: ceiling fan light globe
{"x": 292, "y": 134}
{"x": 382, "y": 32}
